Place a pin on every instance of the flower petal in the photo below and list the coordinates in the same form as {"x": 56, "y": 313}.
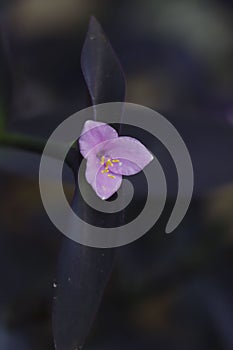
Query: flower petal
{"x": 125, "y": 167}
{"x": 103, "y": 185}
{"x": 92, "y": 168}
{"x": 133, "y": 156}
{"x": 107, "y": 184}
{"x": 94, "y": 133}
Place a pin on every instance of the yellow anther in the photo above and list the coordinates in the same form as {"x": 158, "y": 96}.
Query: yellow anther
{"x": 105, "y": 171}
{"x": 115, "y": 161}
{"x": 111, "y": 176}
{"x": 102, "y": 160}
{"x": 109, "y": 162}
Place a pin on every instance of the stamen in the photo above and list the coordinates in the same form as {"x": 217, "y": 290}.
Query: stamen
{"x": 105, "y": 171}
{"x": 109, "y": 162}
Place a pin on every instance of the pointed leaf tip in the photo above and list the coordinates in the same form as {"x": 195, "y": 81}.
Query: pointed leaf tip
{"x": 100, "y": 66}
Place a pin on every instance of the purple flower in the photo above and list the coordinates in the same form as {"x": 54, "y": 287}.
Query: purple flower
{"x": 109, "y": 157}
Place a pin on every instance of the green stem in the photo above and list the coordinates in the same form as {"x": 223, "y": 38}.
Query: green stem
{"x": 22, "y": 142}
{"x": 32, "y": 144}
{"x": 37, "y": 145}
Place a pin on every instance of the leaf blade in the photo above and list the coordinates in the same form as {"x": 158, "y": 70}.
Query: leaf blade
{"x": 84, "y": 271}
{"x": 101, "y": 68}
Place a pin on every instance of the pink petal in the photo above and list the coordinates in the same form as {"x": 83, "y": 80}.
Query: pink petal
{"x": 103, "y": 185}
{"x": 125, "y": 167}
{"x": 94, "y": 133}
{"x": 92, "y": 168}
{"x": 133, "y": 156}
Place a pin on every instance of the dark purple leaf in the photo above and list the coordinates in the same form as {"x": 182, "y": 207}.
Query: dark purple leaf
{"x": 83, "y": 274}
{"x": 84, "y": 271}
{"x": 101, "y": 68}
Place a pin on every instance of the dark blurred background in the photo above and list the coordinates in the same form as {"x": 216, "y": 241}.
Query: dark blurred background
{"x": 167, "y": 291}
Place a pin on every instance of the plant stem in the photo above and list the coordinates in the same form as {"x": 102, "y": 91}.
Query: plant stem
{"x": 37, "y": 145}
{"x": 22, "y": 142}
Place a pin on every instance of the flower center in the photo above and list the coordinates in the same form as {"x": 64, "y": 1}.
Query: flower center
{"x": 108, "y": 163}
